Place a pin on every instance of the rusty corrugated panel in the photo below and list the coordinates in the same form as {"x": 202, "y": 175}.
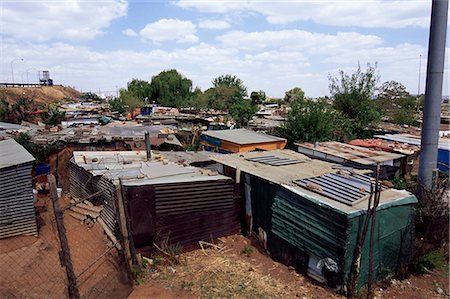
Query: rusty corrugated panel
{"x": 183, "y": 212}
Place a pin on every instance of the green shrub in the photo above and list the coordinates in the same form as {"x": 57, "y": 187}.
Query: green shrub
{"x": 430, "y": 261}
{"x": 247, "y": 250}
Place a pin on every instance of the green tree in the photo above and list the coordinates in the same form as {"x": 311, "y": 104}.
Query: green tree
{"x": 130, "y": 100}
{"x": 310, "y": 121}
{"x": 257, "y": 97}
{"x": 116, "y": 105}
{"x": 90, "y": 96}
{"x": 170, "y": 88}
{"x": 231, "y": 81}
{"x": 227, "y": 91}
{"x": 140, "y": 89}
{"x": 398, "y": 104}
{"x": 199, "y": 99}
{"x": 353, "y": 96}
{"x": 242, "y": 112}
{"x": 294, "y": 94}
{"x": 53, "y": 116}
{"x": 406, "y": 113}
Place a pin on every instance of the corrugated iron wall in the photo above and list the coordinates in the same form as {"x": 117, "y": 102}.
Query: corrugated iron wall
{"x": 183, "y": 212}
{"x": 314, "y": 229}
{"x": 17, "y": 214}
{"x": 84, "y": 184}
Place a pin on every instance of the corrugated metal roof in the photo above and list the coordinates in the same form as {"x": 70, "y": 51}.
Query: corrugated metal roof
{"x": 274, "y": 161}
{"x": 134, "y": 170}
{"x": 348, "y": 152}
{"x": 345, "y": 189}
{"x": 286, "y": 175}
{"x": 242, "y": 136}
{"x": 12, "y": 153}
{"x": 444, "y": 143}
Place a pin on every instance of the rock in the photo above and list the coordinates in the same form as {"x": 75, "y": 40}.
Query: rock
{"x": 440, "y": 291}
{"x": 394, "y": 281}
{"x": 45, "y": 247}
{"x": 290, "y": 268}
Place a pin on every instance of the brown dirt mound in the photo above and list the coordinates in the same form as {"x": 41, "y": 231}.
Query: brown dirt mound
{"x": 42, "y": 95}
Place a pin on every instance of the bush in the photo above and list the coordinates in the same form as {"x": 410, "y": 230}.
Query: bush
{"x": 430, "y": 261}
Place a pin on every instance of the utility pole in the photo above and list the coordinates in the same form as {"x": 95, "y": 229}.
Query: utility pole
{"x": 420, "y": 70}
{"x": 433, "y": 93}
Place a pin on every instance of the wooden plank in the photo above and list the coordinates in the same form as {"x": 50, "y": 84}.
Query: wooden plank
{"x": 110, "y": 234}
{"x": 85, "y": 212}
{"x": 90, "y": 208}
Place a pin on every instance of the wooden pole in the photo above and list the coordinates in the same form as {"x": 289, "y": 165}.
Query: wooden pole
{"x": 124, "y": 230}
{"x": 64, "y": 254}
{"x": 148, "y": 146}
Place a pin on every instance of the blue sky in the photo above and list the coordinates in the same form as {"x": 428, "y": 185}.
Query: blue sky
{"x": 271, "y": 45}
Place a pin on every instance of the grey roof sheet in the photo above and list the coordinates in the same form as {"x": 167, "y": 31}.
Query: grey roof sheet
{"x": 133, "y": 169}
{"x": 12, "y": 153}
{"x": 287, "y": 174}
{"x": 444, "y": 143}
{"x": 242, "y": 136}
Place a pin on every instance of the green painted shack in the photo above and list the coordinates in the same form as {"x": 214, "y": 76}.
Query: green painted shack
{"x": 309, "y": 215}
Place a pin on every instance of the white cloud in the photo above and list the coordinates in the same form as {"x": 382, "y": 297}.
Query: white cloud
{"x": 314, "y": 43}
{"x": 170, "y": 29}
{"x": 216, "y": 6}
{"x": 214, "y": 24}
{"x": 273, "y": 70}
{"x": 368, "y": 13}
{"x": 68, "y": 20}
{"x": 130, "y": 32}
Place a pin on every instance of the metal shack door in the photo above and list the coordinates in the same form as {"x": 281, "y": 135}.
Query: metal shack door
{"x": 141, "y": 210}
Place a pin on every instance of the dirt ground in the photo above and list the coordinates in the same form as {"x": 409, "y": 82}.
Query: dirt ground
{"x": 226, "y": 272}
{"x": 30, "y": 267}
{"x": 41, "y": 95}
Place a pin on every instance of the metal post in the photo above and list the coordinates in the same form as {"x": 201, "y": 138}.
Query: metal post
{"x": 148, "y": 146}
{"x": 433, "y": 93}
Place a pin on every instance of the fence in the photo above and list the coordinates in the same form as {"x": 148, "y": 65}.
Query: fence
{"x": 70, "y": 257}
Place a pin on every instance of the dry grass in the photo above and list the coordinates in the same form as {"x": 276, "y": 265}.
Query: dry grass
{"x": 219, "y": 271}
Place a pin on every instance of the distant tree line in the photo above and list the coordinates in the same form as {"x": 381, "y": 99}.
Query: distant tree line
{"x": 356, "y": 103}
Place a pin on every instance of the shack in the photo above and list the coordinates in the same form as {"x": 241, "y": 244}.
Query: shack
{"x": 240, "y": 140}
{"x": 17, "y": 214}
{"x": 164, "y": 201}
{"x": 309, "y": 215}
{"x": 410, "y": 151}
{"x": 391, "y": 164}
{"x": 443, "y": 158}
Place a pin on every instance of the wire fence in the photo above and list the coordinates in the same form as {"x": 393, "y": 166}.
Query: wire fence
{"x": 37, "y": 266}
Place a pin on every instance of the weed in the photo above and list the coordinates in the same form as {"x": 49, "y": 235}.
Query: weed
{"x": 430, "y": 261}
{"x": 398, "y": 183}
{"x": 247, "y": 250}
{"x": 186, "y": 285}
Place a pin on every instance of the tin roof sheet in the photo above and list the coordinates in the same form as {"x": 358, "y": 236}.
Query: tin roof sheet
{"x": 287, "y": 175}
{"x": 242, "y": 136}
{"x": 133, "y": 169}
{"x": 350, "y": 152}
{"x": 444, "y": 143}
{"x": 12, "y": 153}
